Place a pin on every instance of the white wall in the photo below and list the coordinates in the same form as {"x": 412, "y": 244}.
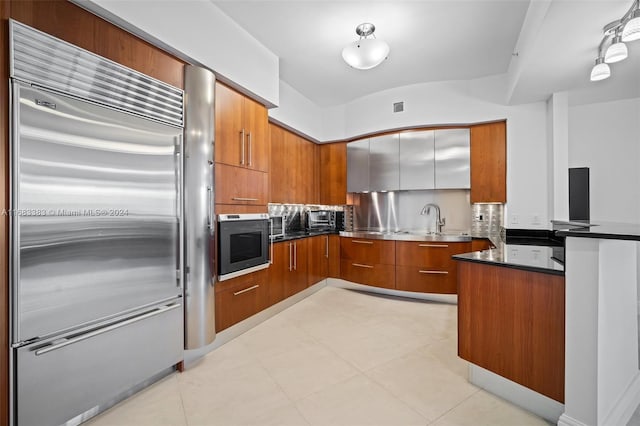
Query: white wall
{"x": 198, "y": 31}
{"x": 298, "y": 112}
{"x": 606, "y": 138}
{"x": 464, "y": 102}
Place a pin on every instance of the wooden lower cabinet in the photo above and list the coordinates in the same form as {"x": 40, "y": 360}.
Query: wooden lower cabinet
{"x": 414, "y": 278}
{"x": 239, "y": 298}
{"x": 366, "y": 261}
{"x": 288, "y": 271}
{"x": 318, "y": 259}
{"x": 511, "y": 322}
{"x": 334, "y": 256}
{"x": 480, "y": 244}
{"x": 376, "y": 275}
{"x": 427, "y": 266}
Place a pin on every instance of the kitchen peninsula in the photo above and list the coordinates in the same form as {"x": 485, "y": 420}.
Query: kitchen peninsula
{"x": 511, "y": 321}
{"x": 602, "y": 379}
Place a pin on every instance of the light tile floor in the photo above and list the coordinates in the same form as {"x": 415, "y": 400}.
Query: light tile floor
{"x": 339, "y": 357}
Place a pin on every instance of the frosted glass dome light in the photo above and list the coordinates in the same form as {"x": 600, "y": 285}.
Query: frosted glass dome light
{"x": 600, "y": 70}
{"x": 365, "y": 53}
{"x": 631, "y": 30}
{"x": 616, "y": 52}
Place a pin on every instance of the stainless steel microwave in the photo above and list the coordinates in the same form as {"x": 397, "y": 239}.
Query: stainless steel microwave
{"x": 243, "y": 244}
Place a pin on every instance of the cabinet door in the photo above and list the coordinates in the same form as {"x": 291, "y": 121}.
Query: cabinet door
{"x": 366, "y": 251}
{"x": 278, "y": 174}
{"x": 318, "y": 260}
{"x": 278, "y": 271}
{"x": 241, "y": 297}
{"x": 384, "y": 163}
{"x": 334, "y": 256}
{"x": 297, "y": 276}
{"x": 417, "y": 168}
{"x": 489, "y": 163}
{"x": 358, "y": 166}
{"x": 228, "y": 121}
{"x": 256, "y": 124}
{"x": 368, "y": 274}
{"x": 333, "y": 173}
{"x": 306, "y": 172}
{"x": 452, "y": 158}
{"x": 237, "y": 185}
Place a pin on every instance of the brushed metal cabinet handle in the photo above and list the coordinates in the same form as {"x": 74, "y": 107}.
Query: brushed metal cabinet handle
{"x": 244, "y": 199}
{"x": 290, "y": 262}
{"x": 295, "y": 256}
{"x": 434, "y": 245}
{"x": 246, "y": 290}
{"x": 326, "y": 249}
{"x": 434, "y": 272}
{"x": 361, "y": 242}
{"x": 249, "y": 143}
{"x": 360, "y": 265}
{"x": 242, "y": 147}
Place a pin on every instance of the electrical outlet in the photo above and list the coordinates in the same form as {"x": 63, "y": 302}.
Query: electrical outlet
{"x": 515, "y": 219}
{"x": 536, "y": 219}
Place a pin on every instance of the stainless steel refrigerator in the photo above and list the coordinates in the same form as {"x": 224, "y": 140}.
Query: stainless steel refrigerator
{"x": 96, "y": 230}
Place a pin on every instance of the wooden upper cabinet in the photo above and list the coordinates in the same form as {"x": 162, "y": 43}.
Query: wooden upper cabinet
{"x": 242, "y": 137}
{"x": 333, "y": 173}
{"x": 489, "y": 163}
{"x": 293, "y": 168}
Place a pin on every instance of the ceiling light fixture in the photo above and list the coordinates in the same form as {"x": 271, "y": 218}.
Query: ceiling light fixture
{"x": 616, "y": 52}
{"x": 616, "y": 33}
{"x": 600, "y": 70}
{"x": 365, "y": 53}
{"x": 631, "y": 29}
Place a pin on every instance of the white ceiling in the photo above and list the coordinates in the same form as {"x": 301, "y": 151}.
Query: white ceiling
{"x": 435, "y": 40}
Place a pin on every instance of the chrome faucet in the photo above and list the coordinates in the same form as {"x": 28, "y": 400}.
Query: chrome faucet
{"x": 439, "y": 221}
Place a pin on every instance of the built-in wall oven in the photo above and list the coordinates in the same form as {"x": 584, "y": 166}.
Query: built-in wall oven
{"x": 243, "y": 244}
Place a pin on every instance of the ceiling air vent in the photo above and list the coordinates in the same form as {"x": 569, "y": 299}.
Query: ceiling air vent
{"x": 398, "y": 107}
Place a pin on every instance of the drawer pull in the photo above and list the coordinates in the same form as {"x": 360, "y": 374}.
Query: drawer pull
{"x": 360, "y": 265}
{"x": 361, "y": 242}
{"x": 246, "y": 290}
{"x": 434, "y": 245}
{"x": 434, "y": 272}
{"x": 244, "y": 199}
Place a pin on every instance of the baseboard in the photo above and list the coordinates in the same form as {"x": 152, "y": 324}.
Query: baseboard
{"x": 432, "y": 297}
{"x": 565, "y": 420}
{"x": 524, "y": 397}
{"x": 622, "y": 412}
{"x": 193, "y": 357}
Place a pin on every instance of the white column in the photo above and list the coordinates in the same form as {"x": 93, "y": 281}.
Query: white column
{"x": 558, "y": 155}
{"x": 602, "y": 378}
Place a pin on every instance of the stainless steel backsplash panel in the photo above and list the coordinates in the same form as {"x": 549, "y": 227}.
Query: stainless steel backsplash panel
{"x": 394, "y": 211}
{"x": 487, "y": 219}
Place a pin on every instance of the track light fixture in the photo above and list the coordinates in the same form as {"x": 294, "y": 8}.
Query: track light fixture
{"x": 616, "y": 34}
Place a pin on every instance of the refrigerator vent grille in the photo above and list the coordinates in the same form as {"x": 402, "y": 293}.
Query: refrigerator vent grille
{"x": 41, "y": 59}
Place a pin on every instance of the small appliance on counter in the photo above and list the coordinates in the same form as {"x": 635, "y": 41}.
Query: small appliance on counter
{"x": 325, "y": 220}
{"x": 278, "y": 226}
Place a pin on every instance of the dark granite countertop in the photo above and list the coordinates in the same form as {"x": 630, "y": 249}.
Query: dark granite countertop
{"x": 596, "y": 229}
{"x": 521, "y": 252}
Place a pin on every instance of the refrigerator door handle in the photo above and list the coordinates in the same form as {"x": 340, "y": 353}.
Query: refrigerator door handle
{"x": 107, "y": 329}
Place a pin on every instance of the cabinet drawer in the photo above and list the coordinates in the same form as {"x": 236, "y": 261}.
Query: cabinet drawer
{"x": 429, "y": 254}
{"x": 237, "y": 185}
{"x": 426, "y": 280}
{"x": 370, "y": 252}
{"x": 370, "y": 274}
{"x": 239, "y": 298}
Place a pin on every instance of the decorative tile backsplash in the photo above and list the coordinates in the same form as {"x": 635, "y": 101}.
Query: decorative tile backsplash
{"x": 487, "y": 219}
